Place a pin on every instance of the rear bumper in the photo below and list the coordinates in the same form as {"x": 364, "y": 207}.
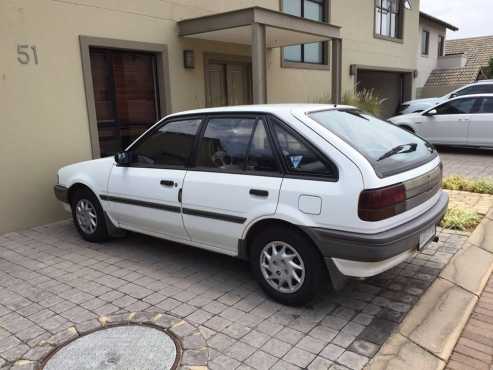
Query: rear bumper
{"x": 381, "y": 246}
{"x": 61, "y": 193}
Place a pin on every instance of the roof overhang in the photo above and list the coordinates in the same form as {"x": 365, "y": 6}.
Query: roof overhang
{"x": 235, "y": 27}
{"x": 438, "y": 21}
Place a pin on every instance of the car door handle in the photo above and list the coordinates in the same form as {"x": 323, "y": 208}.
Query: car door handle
{"x": 167, "y": 183}
{"x": 259, "y": 193}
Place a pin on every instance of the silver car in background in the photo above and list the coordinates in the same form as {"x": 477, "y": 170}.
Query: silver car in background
{"x": 420, "y": 105}
{"x": 461, "y": 121}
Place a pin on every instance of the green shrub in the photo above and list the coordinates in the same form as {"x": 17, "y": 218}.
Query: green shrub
{"x": 460, "y": 219}
{"x": 482, "y": 186}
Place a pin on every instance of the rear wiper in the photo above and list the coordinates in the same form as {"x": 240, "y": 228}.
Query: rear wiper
{"x": 404, "y": 148}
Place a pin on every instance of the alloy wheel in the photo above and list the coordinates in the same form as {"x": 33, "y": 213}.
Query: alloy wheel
{"x": 282, "y": 267}
{"x": 85, "y": 212}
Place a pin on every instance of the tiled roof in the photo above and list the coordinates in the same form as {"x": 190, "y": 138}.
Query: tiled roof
{"x": 478, "y": 52}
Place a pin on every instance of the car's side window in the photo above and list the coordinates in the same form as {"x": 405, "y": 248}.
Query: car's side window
{"x": 224, "y": 143}
{"x": 460, "y": 106}
{"x": 170, "y": 145}
{"x": 261, "y": 156}
{"x": 476, "y": 89}
{"x": 486, "y": 106}
{"x": 298, "y": 156}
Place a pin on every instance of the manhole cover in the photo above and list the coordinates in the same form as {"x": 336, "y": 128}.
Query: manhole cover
{"x": 116, "y": 348}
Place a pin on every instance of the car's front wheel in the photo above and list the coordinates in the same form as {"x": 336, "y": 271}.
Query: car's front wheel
{"x": 286, "y": 265}
{"x": 88, "y": 216}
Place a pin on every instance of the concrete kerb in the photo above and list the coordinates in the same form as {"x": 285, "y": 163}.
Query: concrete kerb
{"x": 428, "y": 334}
{"x": 192, "y": 351}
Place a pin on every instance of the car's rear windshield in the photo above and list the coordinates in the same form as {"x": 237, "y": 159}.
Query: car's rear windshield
{"x": 388, "y": 148}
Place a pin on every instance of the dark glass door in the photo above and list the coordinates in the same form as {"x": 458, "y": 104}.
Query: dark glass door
{"x": 125, "y": 94}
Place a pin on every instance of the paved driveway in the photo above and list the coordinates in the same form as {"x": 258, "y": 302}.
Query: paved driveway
{"x": 472, "y": 163}
{"x": 50, "y": 280}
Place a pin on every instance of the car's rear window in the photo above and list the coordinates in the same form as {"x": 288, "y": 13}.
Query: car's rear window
{"x": 388, "y": 148}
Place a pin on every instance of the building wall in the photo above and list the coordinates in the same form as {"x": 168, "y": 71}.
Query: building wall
{"x": 44, "y": 113}
{"x": 427, "y": 63}
{"x": 361, "y": 47}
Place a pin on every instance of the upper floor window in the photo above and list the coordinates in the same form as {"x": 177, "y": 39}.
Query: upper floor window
{"x": 425, "y": 43}
{"x": 441, "y": 45}
{"x": 388, "y": 18}
{"x": 313, "y": 53}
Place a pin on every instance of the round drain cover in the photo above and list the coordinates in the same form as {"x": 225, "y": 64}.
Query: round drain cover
{"x": 120, "y": 347}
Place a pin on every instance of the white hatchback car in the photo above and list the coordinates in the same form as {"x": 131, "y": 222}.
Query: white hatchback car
{"x": 462, "y": 121}
{"x": 306, "y": 193}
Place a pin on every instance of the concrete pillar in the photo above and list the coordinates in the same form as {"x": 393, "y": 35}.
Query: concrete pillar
{"x": 259, "y": 73}
{"x": 336, "y": 71}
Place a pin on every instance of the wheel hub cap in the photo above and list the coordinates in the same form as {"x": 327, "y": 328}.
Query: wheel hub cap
{"x": 85, "y": 213}
{"x": 282, "y": 267}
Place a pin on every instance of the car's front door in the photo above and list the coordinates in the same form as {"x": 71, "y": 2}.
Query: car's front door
{"x": 481, "y": 124}
{"x": 236, "y": 178}
{"x": 145, "y": 196}
{"x": 449, "y": 125}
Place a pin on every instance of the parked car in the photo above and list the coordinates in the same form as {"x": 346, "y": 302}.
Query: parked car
{"x": 463, "y": 121}
{"x": 307, "y": 193}
{"x": 420, "y": 105}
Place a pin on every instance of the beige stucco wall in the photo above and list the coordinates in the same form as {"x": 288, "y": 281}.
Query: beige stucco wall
{"x": 43, "y": 107}
{"x": 427, "y": 63}
{"x": 361, "y": 47}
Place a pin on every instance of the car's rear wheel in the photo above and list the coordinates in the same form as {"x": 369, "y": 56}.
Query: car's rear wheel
{"x": 286, "y": 265}
{"x": 88, "y": 216}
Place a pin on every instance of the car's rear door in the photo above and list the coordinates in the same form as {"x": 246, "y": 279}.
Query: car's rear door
{"x": 449, "y": 125}
{"x": 145, "y": 196}
{"x": 481, "y": 124}
{"x": 236, "y": 178}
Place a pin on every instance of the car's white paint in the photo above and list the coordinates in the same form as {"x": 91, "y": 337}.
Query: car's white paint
{"x": 472, "y": 129}
{"x": 420, "y": 105}
{"x": 336, "y": 205}
{"x": 369, "y": 269}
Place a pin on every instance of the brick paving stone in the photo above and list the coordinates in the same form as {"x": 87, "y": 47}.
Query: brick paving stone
{"x": 276, "y": 347}
{"x": 240, "y": 351}
{"x": 261, "y": 360}
{"x": 51, "y": 280}
{"x": 320, "y": 364}
{"x": 474, "y": 349}
{"x": 353, "y": 360}
{"x": 311, "y": 344}
{"x": 299, "y": 357}
{"x": 332, "y": 352}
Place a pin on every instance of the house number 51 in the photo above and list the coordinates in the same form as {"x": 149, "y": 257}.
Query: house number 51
{"x": 26, "y": 52}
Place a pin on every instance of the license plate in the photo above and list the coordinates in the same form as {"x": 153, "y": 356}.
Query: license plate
{"x": 426, "y": 236}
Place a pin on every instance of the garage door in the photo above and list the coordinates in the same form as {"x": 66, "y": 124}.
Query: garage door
{"x": 394, "y": 87}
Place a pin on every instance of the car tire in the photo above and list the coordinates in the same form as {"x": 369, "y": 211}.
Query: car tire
{"x": 276, "y": 275}
{"x": 88, "y": 216}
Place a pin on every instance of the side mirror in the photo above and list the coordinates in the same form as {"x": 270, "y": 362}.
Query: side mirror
{"x": 431, "y": 112}
{"x": 123, "y": 158}
{"x": 453, "y": 96}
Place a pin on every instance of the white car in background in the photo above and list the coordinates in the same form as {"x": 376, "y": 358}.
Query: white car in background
{"x": 309, "y": 194}
{"x": 420, "y": 105}
{"x": 463, "y": 121}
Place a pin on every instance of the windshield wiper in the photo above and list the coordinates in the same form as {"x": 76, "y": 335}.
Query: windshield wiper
{"x": 400, "y": 149}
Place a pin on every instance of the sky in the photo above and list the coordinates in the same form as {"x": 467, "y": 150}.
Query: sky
{"x": 473, "y": 17}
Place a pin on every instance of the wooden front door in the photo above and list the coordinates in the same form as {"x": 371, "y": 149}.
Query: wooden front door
{"x": 228, "y": 84}
{"x": 126, "y": 96}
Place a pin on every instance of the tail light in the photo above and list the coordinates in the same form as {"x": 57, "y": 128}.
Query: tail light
{"x": 382, "y": 203}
